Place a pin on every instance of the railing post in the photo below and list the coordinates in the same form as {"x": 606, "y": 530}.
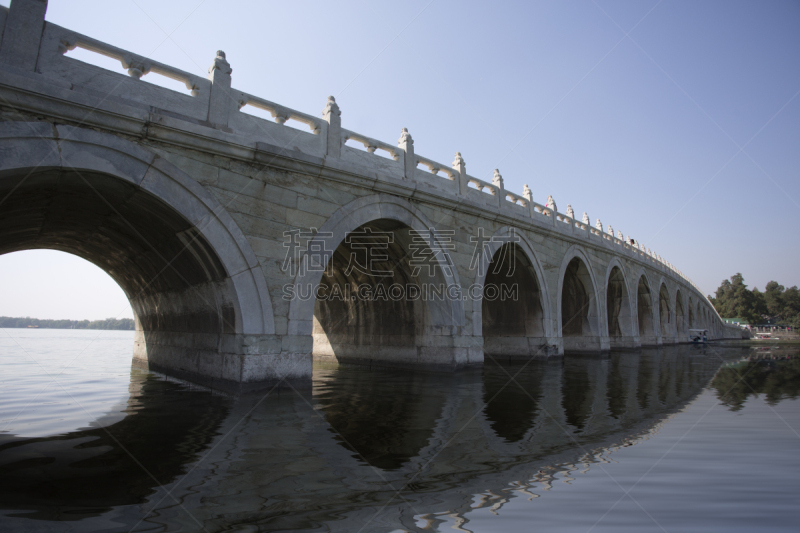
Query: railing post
{"x": 497, "y": 180}
{"x": 528, "y": 195}
{"x": 333, "y": 116}
{"x": 551, "y": 205}
{"x": 406, "y": 143}
{"x": 23, "y": 33}
{"x": 221, "y": 101}
{"x": 461, "y": 167}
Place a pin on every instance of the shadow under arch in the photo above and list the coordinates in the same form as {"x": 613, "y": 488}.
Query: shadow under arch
{"x": 379, "y": 323}
{"x": 700, "y": 322}
{"x": 681, "y": 329}
{"x": 579, "y": 304}
{"x": 665, "y": 312}
{"x": 193, "y": 281}
{"x": 619, "y": 310}
{"x": 523, "y": 326}
{"x": 645, "y": 312}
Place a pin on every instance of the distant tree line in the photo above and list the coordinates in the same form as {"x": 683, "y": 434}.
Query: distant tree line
{"x": 776, "y": 305}
{"x": 108, "y": 323}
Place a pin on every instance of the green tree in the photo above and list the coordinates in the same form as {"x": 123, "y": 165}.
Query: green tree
{"x": 791, "y": 306}
{"x": 773, "y": 295}
{"x": 108, "y": 323}
{"x": 760, "y": 308}
{"x": 734, "y": 299}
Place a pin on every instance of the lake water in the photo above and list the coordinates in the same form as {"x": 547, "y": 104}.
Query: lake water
{"x": 677, "y": 439}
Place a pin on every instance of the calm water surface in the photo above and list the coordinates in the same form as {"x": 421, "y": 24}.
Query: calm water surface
{"x": 677, "y": 439}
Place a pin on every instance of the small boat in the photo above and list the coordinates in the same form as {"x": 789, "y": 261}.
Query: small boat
{"x": 698, "y": 336}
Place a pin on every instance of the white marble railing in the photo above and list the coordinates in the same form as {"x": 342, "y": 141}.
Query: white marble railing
{"x": 480, "y": 185}
{"x": 434, "y": 168}
{"x": 280, "y": 113}
{"x": 370, "y": 144}
{"x": 541, "y": 209}
{"x": 54, "y": 62}
{"x": 211, "y": 100}
{"x": 137, "y": 66}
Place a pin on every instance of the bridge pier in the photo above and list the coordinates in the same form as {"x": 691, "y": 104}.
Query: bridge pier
{"x": 435, "y": 352}
{"x": 242, "y": 363}
{"x": 625, "y": 343}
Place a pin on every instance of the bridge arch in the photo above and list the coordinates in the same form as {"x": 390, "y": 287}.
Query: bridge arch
{"x": 533, "y": 322}
{"x": 579, "y": 303}
{"x": 699, "y": 316}
{"x": 619, "y": 309}
{"x": 691, "y": 313}
{"x": 194, "y": 283}
{"x": 680, "y": 316}
{"x": 664, "y": 310}
{"x": 645, "y": 310}
{"x": 401, "y": 330}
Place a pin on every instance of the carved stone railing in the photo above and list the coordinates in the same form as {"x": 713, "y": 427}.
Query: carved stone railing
{"x": 213, "y": 102}
{"x": 434, "y": 168}
{"x": 54, "y": 62}
{"x": 280, "y": 113}
{"x": 370, "y": 144}
{"x": 541, "y": 210}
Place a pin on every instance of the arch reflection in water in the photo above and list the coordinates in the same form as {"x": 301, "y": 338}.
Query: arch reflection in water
{"x": 512, "y": 406}
{"x": 369, "y": 418}
{"x": 335, "y": 457}
{"x": 85, "y": 473}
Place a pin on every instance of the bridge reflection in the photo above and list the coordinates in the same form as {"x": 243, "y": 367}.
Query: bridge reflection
{"x": 87, "y": 472}
{"x": 338, "y": 454}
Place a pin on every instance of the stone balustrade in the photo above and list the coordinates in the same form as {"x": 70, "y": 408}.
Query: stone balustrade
{"x": 55, "y": 62}
{"x": 280, "y": 113}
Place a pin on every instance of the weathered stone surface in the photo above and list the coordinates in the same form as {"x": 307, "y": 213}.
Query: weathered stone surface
{"x": 193, "y": 206}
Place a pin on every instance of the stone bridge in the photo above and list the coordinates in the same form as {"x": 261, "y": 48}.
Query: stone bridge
{"x": 247, "y": 246}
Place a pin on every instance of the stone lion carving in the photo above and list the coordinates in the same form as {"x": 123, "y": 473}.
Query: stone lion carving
{"x": 526, "y": 192}
{"x": 497, "y": 179}
{"x": 405, "y": 137}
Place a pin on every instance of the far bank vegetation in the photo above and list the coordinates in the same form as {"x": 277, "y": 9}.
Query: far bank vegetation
{"x": 28, "y": 322}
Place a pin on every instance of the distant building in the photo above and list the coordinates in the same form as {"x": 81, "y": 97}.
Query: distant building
{"x": 737, "y": 321}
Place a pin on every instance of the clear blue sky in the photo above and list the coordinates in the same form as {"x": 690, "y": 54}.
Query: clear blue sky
{"x": 682, "y": 134}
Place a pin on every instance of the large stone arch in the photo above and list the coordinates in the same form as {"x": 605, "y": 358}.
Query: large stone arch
{"x": 591, "y": 337}
{"x": 540, "y": 345}
{"x": 681, "y": 320}
{"x": 646, "y": 309}
{"x": 699, "y": 316}
{"x": 666, "y": 321}
{"x": 194, "y": 282}
{"x": 443, "y": 320}
{"x": 624, "y": 324}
